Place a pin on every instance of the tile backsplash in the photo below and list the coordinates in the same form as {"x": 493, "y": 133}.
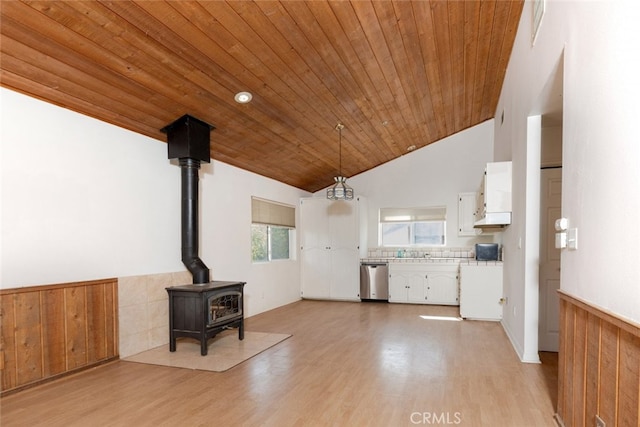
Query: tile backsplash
{"x": 436, "y": 252}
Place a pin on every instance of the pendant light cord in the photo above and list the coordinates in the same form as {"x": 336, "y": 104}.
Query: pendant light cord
{"x": 340, "y": 126}
{"x": 340, "y": 190}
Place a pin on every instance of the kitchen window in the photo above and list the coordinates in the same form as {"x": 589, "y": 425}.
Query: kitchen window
{"x": 413, "y": 226}
{"x": 272, "y": 230}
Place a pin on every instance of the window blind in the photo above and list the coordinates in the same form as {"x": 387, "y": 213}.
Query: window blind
{"x": 436, "y": 213}
{"x": 272, "y": 213}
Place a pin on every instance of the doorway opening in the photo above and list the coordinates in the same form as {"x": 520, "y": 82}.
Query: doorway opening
{"x": 550, "y": 210}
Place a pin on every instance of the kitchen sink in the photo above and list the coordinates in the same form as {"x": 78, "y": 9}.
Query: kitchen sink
{"x": 427, "y": 258}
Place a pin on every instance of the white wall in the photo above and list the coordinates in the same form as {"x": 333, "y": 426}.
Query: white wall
{"x": 226, "y": 234}
{"x": 430, "y": 176}
{"x": 594, "y": 43}
{"x": 82, "y": 200}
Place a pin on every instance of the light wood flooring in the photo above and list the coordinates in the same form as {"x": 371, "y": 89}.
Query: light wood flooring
{"x": 347, "y": 364}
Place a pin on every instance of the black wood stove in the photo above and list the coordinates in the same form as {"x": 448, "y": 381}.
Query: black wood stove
{"x": 205, "y": 308}
{"x": 202, "y": 311}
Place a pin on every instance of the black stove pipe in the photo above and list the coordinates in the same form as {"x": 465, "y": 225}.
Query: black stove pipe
{"x": 189, "y": 215}
{"x": 188, "y": 141}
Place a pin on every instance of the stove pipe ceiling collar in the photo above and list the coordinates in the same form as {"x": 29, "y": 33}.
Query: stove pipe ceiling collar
{"x": 188, "y": 140}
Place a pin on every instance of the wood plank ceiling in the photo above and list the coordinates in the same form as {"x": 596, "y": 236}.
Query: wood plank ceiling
{"x": 397, "y": 74}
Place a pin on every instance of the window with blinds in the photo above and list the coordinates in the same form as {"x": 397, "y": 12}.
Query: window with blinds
{"x": 424, "y": 226}
{"x": 271, "y": 230}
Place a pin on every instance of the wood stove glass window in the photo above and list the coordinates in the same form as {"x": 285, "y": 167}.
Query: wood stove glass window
{"x": 272, "y": 230}
{"x": 224, "y": 306}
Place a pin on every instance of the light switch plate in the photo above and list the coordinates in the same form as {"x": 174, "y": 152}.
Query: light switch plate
{"x": 572, "y": 238}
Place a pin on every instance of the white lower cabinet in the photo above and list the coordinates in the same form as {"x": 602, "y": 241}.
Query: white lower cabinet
{"x": 419, "y": 283}
{"x": 406, "y": 284}
{"x": 481, "y": 291}
{"x": 442, "y": 285}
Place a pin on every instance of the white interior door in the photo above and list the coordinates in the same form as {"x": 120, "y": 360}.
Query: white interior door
{"x": 550, "y": 205}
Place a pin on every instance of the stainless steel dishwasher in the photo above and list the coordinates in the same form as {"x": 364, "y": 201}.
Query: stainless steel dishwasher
{"x": 374, "y": 281}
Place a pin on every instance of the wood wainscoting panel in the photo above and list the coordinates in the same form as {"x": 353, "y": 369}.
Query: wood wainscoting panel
{"x": 599, "y": 366}
{"x": 52, "y": 330}
{"x": 28, "y": 332}
{"x": 608, "y": 392}
{"x": 76, "y": 326}
{"x": 562, "y": 349}
{"x": 629, "y": 382}
{"x": 111, "y": 332}
{"x": 96, "y": 316}
{"x": 567, "y": 361}
{"x": 7, "y": 342}
{"x": 53, "y": 333}
{"x": 579, "y": 365}
{"x": 592, "y": 373}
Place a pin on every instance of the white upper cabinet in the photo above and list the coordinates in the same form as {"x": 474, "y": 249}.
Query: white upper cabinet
{"x": 497, "y": 187}
{"x": 467, "y": 214}
{"x": 494, "y": 197}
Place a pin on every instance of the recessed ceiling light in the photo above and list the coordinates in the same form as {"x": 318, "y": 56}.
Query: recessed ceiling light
{"x": 243, "y": 97}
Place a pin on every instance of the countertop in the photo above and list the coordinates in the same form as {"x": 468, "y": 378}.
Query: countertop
{"x": 427, "y": 260}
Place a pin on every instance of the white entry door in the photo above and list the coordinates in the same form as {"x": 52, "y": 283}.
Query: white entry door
{"x": 550, "y": 205}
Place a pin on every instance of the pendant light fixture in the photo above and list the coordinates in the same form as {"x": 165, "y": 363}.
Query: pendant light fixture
{"x": 340, "y": 190}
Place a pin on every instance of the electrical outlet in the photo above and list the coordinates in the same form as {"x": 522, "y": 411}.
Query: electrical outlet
{"x": 600, "y": 422}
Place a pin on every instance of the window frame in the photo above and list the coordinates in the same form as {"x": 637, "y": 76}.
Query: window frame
{"x": 272, "y": 215}
{"x": 269, "y": 243}
{"x": 410, "y": 218}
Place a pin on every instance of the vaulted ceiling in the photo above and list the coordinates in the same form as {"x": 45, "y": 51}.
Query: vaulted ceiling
{"x": 398, "y": 74}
